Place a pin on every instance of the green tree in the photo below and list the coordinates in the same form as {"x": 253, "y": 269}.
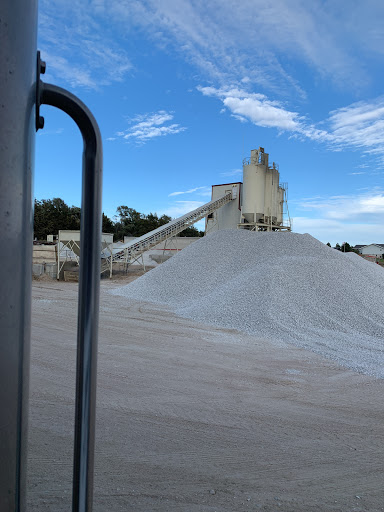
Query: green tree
{"x": 74, "y": 218}
{"x": 128, "y": 223}
{"x": 53, "y": 214}
{"x": 152, "y": 221}
{"x": 346, "y": 247}
{"x": 337, "y": 246}
{"x": 191, "y": 231}
{"x": 107, "y": 225}
{"x": 329, "y": 245}
{"x": 133, "y": 223}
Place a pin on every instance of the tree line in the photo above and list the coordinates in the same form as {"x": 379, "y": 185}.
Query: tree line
{"x": 344, "y": 247}
{"x": 52, "y": 215}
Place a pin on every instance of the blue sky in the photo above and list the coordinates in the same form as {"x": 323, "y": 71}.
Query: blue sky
{"x": 184, "y": 89}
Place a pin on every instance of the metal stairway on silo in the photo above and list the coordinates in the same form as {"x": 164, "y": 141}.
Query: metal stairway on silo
{"x": 132, "y": 250}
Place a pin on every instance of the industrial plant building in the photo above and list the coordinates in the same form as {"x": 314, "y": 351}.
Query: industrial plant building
{"x": 260, "y": 201}
{"x": 376, "y": 250}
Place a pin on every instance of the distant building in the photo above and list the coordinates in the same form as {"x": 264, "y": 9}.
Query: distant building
{"x": 376, "y": 250}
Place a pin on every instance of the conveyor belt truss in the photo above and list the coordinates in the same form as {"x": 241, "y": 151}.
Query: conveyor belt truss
{"x": 134, "y": 249}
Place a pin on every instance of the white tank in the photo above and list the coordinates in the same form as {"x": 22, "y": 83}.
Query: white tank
{"x": 263, "y": 197}
{"x": 254, "y": 177}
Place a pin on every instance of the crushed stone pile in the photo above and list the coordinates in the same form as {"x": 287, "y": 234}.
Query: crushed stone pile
{"x": 280, "y": 286}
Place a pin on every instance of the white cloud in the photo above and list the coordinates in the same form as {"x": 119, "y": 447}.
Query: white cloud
{"x": 368, "y": 205}
{"x": 334, "y": 231}
{"x": 148, "y": 126}
{"x": 254, "y": 107}
{"x": 359, "y": 125}
{"x": 204, "y": 191}
{"x": 179, "y": 208}
{"x": 233, "y": 172}
{"x": 261, "y": 111}
{"x": 249, "y": 40}
{"x": 78, "y": 48}
{"x": 356, "y": 219}
{"x": 43, "y": 133}
{"x": 74, "y": 75}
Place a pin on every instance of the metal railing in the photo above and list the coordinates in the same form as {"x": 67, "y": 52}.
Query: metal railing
{"x": 89, "y": 284}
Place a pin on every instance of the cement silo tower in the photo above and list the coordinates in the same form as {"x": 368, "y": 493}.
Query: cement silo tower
{"x": 262, "y": 199}
{"x": 263, "y": 195}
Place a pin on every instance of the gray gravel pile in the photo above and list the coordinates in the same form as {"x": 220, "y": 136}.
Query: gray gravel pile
{"x": 280, "y": 286}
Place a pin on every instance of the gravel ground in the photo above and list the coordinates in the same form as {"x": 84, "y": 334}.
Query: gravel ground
{"x": 284, "y": 287}
{"x": 195, "y": 418}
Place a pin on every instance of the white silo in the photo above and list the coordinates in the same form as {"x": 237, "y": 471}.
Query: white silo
{"x": 254, "y": 176}
{"x": 263, "y": 197}
{"x": 260, "y": 199}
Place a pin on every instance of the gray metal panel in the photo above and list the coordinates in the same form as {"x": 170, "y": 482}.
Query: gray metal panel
{"x": 18, "y": 22}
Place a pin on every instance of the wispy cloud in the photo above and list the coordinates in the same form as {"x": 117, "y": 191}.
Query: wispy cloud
{"x": 238, "y": 41}
{"x": 225, "y": 41}
{"x": 179, "y": 208}
{"x": 43, "y": 133}
{"x": 355, "y": 218}
{"x": 204, "y": 191}
{"x": 78, "y": 47}
{"x": 369, "y": 204}
{"x": 335, "y": 231}
{"x": 357, "y": 126}
{"x": 145, "y": 127}
{"x": 74, "y": 75}
{"x": 233, "y": 172}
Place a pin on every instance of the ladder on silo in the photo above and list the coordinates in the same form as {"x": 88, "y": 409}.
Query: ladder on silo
{"x": 132, "y": 250}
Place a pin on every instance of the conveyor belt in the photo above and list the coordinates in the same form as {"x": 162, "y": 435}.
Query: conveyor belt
{"x": 133, "y": 249}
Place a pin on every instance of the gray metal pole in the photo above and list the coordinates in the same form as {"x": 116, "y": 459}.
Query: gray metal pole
{"x": 18, "y": 27}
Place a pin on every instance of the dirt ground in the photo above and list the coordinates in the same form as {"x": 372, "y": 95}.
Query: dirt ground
{"x": 193, "y": 418}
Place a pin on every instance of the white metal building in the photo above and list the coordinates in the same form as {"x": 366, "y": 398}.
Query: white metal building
{"x": 376, "y": 250}
{"x": 228, "y": 216}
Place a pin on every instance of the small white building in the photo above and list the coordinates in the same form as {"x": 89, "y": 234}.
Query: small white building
{"x": 228, "y": 216}
{"x": 376, "y": 250}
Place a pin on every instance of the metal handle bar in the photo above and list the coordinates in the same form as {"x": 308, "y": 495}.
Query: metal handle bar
{"x": 89, "y": 287}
